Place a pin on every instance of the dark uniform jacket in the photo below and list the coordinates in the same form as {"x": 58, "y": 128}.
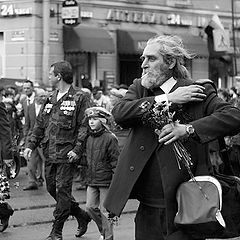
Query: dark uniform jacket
{"x": 5, "y": 135}
{"x": 59, "y": 125}
{"x": 211, "y": 119}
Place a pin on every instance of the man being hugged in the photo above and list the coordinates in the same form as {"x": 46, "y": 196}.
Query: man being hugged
{"x": 147, "y": 168}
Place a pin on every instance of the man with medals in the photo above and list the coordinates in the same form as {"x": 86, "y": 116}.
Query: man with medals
{"x": 60, "y": 130}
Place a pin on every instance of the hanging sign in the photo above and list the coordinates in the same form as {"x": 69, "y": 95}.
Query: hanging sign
{"x": 70, "y": 12}
{"x": 221, "y": 40}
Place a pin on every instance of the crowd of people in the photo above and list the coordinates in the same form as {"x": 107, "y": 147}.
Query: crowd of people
{"x": 71, "y": 127}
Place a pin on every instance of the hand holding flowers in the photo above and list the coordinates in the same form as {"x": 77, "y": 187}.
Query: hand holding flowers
{"x": 160, "y": 118}
{"x": 171, "y": 133}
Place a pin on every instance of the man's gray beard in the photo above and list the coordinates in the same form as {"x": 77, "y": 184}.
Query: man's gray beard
{"x": 150, "y": 82}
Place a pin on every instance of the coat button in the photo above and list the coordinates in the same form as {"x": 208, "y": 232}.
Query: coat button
{"x": 131, "y": 168}
{"x": 142, "y": 148}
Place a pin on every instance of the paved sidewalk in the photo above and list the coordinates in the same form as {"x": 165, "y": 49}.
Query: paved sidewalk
{"x": 123, "y": 231}
{"x": 36, "y": 206}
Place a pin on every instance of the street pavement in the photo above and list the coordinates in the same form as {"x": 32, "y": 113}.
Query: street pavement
{"x": 123, "y": 231}
{"x": 32, "y": 218}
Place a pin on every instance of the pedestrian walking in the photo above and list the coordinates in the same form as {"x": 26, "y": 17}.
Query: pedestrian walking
{"x": 60, "y": 130}
{"x": 99, "y": 99}
{"x": 28, "y": 98}
{"x": 147, "y": 168}
{"x": 5, "y": 155}
{"x": 102, "y": 152}
{"x": 35, "y": 163}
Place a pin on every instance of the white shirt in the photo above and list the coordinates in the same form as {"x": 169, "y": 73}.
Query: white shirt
{"x": 166, "y": 87}
{"x": 31, "y": 98}
{"x": 37, "y": 108}
{"x": 60, "y": 95}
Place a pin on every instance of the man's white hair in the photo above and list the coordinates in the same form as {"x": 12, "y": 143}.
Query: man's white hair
{"x": 39, "y": 91}
{"x": 171, "y": 47}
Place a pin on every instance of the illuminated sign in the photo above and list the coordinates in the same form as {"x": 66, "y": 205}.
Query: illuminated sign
{"x": 70, "y": 12}
{"x": 10, "y": 10}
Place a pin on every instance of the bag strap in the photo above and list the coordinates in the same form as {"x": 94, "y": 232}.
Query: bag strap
{"x": 228, "y": 170}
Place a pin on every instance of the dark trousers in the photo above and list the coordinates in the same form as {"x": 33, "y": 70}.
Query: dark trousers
{"x": 59, "y": 179}
{"x": 5, "y": 210}
{"x": 149, "y": 223}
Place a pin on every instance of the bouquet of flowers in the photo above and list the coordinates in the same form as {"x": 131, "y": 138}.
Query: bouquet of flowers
{"x": 157, "y": 116}
{"x": 4, "y": 187}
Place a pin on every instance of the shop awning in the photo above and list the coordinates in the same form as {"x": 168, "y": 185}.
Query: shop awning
{"x": 195, "y": 45}
{"x": 86, "y": 39}
{"x": 132, "y": 42}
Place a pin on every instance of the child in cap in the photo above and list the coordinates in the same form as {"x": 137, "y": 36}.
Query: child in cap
{"x": 102, "y": 153}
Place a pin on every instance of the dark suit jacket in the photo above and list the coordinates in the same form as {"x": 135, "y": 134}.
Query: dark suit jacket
{"x": 30, "y": 118}
{"x": 211, "y": 119}
{"x": 5, "y": 135}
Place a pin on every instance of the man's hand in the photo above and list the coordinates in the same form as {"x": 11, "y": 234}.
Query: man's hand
{"x": 171, "y": 133}
{"x": 27, "y": 153}
{"x": 191, "y": 93}
{"x": 72, "y": 156}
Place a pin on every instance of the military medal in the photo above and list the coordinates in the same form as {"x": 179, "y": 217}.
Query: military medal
{"x": 68, "y": 107}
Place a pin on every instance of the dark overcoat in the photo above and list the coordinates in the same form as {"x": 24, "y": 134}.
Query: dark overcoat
{"x": 211, "y": 118}
{"x": 5, "y": 135}
{"x": 30, "y": 118}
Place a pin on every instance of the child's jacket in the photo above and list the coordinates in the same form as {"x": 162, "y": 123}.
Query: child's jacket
{"x": 102, "y": 152}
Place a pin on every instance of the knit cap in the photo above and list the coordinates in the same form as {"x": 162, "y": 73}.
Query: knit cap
{"x": 99, "y": 112}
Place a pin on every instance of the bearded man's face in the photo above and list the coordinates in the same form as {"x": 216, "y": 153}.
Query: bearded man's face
{"x": 155, "y": 70}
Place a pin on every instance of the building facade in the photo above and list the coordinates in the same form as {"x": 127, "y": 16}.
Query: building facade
{"x": 106, "y": 46}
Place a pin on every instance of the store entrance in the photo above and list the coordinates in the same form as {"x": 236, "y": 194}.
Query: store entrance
{"x": 129, "y": 68}
{"x": 81, "y": 64}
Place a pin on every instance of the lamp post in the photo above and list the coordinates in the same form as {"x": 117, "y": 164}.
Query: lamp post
{"x": 234, "y": 41}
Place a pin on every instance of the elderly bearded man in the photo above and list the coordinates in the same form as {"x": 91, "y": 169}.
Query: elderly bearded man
{"x": 147, "y": 169}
